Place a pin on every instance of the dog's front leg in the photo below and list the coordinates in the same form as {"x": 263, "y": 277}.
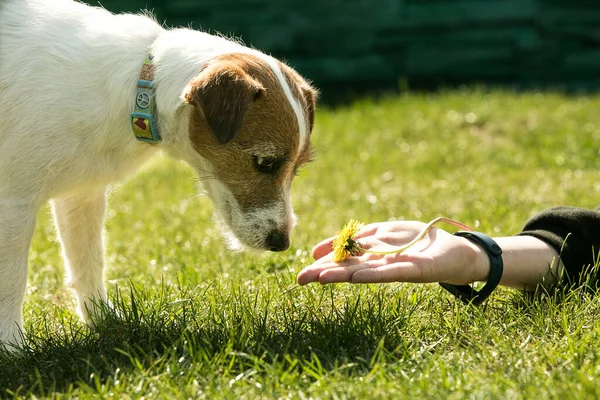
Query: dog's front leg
{"x": 80, "y": 220}
{"x": 17, "y": 222}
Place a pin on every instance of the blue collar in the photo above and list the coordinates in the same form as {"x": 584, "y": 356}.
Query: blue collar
{"x": 143, "y": 118}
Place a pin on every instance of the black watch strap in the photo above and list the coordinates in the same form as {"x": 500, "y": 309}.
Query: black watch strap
{"x": 465, "y": 292}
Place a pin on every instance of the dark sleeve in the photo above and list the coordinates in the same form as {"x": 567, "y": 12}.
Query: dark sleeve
{"x": 573, "y": 232}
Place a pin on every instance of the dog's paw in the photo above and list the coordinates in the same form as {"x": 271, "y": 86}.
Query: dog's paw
{"x": 12, "y": 338}
{"x": 94, "y": 311}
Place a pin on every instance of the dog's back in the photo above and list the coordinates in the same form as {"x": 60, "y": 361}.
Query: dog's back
{"x": 66, "y": 71}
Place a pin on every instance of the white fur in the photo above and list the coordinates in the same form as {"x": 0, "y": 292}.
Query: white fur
{"x": 68, "y": 76}
{"x": 251, "y": 225}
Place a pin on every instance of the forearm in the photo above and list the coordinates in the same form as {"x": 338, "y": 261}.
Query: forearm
{"x": 528, "y": 262}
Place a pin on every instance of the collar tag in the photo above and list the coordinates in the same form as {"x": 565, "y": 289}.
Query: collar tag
{"x": 143, "y": 119}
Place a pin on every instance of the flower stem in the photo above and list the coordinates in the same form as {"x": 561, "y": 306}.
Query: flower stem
{"x": 420, "y": 236}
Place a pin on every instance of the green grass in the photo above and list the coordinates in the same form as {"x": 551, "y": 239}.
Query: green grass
{"x": 197, "y": 321}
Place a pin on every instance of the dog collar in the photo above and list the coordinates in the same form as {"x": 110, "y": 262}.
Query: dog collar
{"x": 143, "y": 118}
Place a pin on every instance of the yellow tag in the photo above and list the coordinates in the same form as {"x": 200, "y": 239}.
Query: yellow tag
{"x": 141, "y": 128}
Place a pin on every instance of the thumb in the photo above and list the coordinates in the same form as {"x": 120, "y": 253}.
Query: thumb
{"x": 322, "y": 248}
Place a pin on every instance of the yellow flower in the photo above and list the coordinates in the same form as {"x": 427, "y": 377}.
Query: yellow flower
{"x": 344, "y": 245}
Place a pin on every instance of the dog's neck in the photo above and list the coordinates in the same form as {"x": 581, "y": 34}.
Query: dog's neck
{"x": 198, "y": 48}
{"x": 144, "y": 116}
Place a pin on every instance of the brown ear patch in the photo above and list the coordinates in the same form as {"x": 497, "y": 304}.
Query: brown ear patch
{"x": 223, "y": 92}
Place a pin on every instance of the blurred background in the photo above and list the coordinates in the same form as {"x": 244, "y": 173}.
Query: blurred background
{"x": 349, "y": 47}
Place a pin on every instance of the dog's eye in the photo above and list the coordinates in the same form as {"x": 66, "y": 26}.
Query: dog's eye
{"x": 266, "y": 165}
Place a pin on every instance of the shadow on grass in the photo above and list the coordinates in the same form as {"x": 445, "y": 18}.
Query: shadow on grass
{"x": 270, "y": 328}
{"x": 223, "y": 331}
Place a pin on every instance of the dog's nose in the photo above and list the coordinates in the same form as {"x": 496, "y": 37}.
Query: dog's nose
{"x": 277, "y": 241}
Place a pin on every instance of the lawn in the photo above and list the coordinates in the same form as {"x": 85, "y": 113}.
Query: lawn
{"x": 195, "y": 320}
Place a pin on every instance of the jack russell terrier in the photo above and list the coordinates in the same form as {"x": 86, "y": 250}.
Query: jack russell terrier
{"x": 86, "y": 97}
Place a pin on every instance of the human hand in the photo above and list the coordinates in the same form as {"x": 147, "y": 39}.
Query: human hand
{"x": 437, "y": 257}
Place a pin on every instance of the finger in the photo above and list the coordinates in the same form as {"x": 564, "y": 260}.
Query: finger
{"x": 398, "y": 272}
{"x": 336, "y": 274}
{"x": 322, "y": 248}
{"x": 312, "y": 272}
{"x": 308, "y": 275}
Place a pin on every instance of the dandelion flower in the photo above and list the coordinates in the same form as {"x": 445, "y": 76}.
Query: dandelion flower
{"x": 344, "y": 245}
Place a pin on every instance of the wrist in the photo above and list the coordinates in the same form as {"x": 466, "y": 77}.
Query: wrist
{"x": 481, "y": 270}
{"x": 479, "y": 262}
{"x": 487, "y": 245}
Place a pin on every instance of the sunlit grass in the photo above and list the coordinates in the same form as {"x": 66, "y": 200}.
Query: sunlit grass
{"x": 198, "y": 321}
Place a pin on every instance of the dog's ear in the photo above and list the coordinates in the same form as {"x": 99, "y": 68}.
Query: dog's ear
{"x": 310, "y": 95}
{"x": 223, "y": 92}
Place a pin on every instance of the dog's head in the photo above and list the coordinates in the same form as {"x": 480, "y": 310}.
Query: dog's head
{"x": 251, "y": 122}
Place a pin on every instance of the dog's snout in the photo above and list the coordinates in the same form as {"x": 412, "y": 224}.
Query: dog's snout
{"x": 277, "y": 241}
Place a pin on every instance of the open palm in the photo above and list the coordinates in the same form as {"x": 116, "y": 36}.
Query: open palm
{"x": 438, "y": 257}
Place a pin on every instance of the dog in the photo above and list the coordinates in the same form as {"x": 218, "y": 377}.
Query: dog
{"x": 87, "y": 96}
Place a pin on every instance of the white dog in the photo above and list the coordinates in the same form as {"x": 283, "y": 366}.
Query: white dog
{"x": 86, "y": 97}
